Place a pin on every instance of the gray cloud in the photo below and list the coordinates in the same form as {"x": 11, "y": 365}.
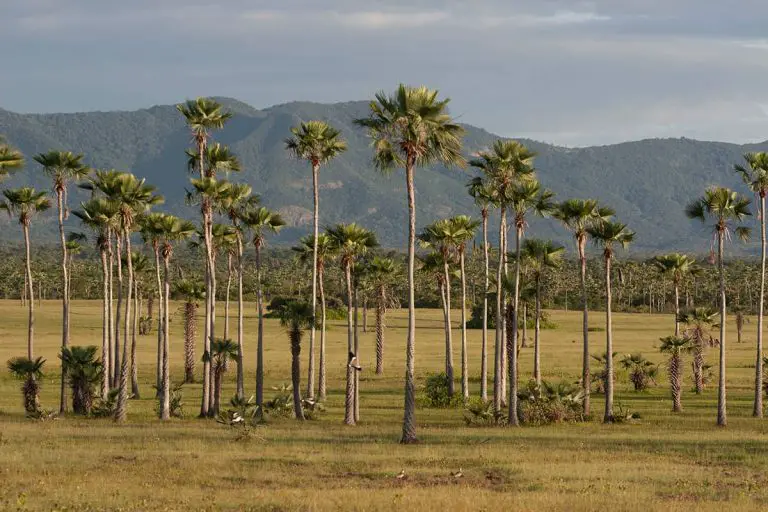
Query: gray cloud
{"x": 570, "y": 72}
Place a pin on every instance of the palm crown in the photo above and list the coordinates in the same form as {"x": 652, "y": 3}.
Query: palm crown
{"x": 62, "y": 166}
{"x": 217, "y": 158}
{"x": 10, "y": 158}
{"x": 261, "y": 221}
{"x": 315, "y": 141}
{"x": 755, "y": 172}
{"x": 677, "y": 265}
{"x": 607, "y": 234}
{"x": 325, "y": 248}
{"x": 507, "y": 163}
{"x": 577, "y": 215}
{"x": 202, "y": 116}
{"x": 725, "y": 207}
{"x": 24, "y": 202}
{"x": 541, "y": 254}
{"x": 351, "y": 241}
{"x": 529, "y": 196}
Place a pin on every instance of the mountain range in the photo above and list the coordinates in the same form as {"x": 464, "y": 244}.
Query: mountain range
{"x": 648, "y": 182}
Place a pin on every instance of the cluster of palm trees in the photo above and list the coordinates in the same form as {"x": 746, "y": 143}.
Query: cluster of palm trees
{"x": 409, "y": 129}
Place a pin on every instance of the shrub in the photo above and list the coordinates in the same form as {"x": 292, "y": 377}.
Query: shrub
{"x": 435, "y": 392}
{"x": 549, "y": 403}
{"x": 106, "y": 406}
{"x": 481, "y": 413}
{"x": 642, "y": 372}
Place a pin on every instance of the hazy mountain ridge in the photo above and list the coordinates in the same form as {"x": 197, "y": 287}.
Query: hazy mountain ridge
{"x": 648, "y": 182}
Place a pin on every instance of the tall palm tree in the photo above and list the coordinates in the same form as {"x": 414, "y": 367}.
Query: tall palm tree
{"x": 675, "y": 347}
{"x": 318, "y": 143}
{"x": 62, "y": 167}
{"x": 483, "y": 194}
{"x": 100, "y": 215}
{"x": 261, "y": 221}
{"x": 523, "y": 198}
{"x": 382, "y": 274}
{"x": 755, "y": 176}
{"x": 698, "y": 322}
{"x": 607, "y": 234}
{"x": 140, "y": 266}
{"x": 678, "y": 266}
{"x": 725, "y": 207}
{"x": 203, "y": 115}
{"x": 351, "y": 242}
{"x": 505, "y": 165}
{"x": 151, "y": 234}
{"x": 25, "y": 203}
{"x": 539, "y": 256}
{"x": 296, "y": 317}
{"x": 325, "y": 252}
{"x": 193, "y": 292}
{"x": 10, "y": 159}
{"x": 578, "y": 215}
{"x": 30, "y": 371}
{"x": 412, "y": 128}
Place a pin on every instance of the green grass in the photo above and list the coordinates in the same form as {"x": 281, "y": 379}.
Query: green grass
{"x": 663, "y": 462}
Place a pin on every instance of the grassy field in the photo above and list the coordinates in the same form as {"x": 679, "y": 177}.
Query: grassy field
{"x": 661, "y": 462}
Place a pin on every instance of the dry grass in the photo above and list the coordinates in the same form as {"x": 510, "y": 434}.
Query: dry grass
{"x": 663, "y": 462}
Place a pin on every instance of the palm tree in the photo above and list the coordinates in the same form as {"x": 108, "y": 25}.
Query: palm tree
{"x": 505, "y": 165}
{"x": 173, "y": 229}
{"x": 699, "y": 321}
{"x": 539, "y": 256}
{"x": 151, "y": 234}
{"x": 724, "y": 207}
{"x": 10, "y": 159}
{"x": 351, "y": 241}
{"x": 325, "y": 252}
{"x": 203, "y": 115}
{"x": 100, "y": 215}
{"x": 675, "y": 347}
{"x": 296, "y": 316}
{"x": 30, "y": 371}
{"x": 412, "y": 128}
{"x": 523, "y": 198}
{"x": 261, "y": 221}
{"x": 679, "y": 266}
{"x": 755, "y": 175}
{"x": 140, "y": 266}
{"x": 607, "y": 234}
{"x": 63, "y": 166}
{"x": 578, "y": 215}
{"x": 318, "y": 143}
{"x": 84, "y": 375}
{"x": 483, "y": 194}
{"x": 25, "y": 202}
{"x": 192, "y": 292}
{"x": 382, "y": 273}
{"x": 222, "y": 350}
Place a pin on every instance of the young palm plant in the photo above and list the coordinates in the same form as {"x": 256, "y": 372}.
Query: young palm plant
{"x": 63, "y": 167}
{"x": 25, "y": 203}
{"x": 698, "y": 323}
{"x": 84, "y": 376}
{"x": 578, "y": 215}
{"x": 678, "y": 266}
{"x": 296, "y": 317}
{"x": 222, "y": 350}
{"x": 412, "y": 128}
{"x": 675, "y": 347}
{"x": 539, "y": 256}
{"x": 351, "y": 242}
{"x": 607, "y": 234}
{"x": 642, "y": 372}
{"x": 30, "y": 371}
{"x": 318, "y": 143}
{"x": 755, "y": 176}
{"x": 192, "y": 292}
{"x": 725, "y": 208}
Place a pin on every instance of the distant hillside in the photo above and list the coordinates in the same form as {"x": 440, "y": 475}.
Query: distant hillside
{"x": 648, "y": 182}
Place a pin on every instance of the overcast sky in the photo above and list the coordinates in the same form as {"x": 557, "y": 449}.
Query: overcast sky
{"x": 569, "y": 72}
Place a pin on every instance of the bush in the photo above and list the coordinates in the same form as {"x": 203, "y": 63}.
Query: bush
{"x": 545, "y": 322}
{"x": 642, "y": 372}
{"x": 106, "y": 406}
{"x": 435, "y": 392}
{"x": 548, "y": 403}
{"x": 481, "y": 413}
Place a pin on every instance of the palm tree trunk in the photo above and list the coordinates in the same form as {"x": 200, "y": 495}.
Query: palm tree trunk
{"x": 464, "y": 355}
{"x": 260, "y": 337}
{"x": 381, "y": 310}
{"x": 210, "y": 299}
{"x": 105, "y": 327}
{"x": 586, "y": 377}
{"x": 536, "y": 334}
{"x": 498, "y": 367}
{"x": 757, "y": 411}
{"x": 409, "y": 414}
{"x": 524, "y": 342}
{"x": 190, "y": 331}
{"x": 322, "y": 391}
{"x": 240, "y": 333}
{"x": 122, "y": 397}
{"x": 295, "y": 335}
{"x": 484, "y": 342}
{"x": 721, "y": 399}
{"x": 448, "y": 333}
{"x": 64, "y": 298}
{"x": 676, "y": 382}
{"x": 134, "y": 367}
{"x": 116, "y": 368}
{"x": 315, "y": 233}
{"x": 212, "y": 412}
{"x": 513, "y": 419}
{"x": 677, "y": 308}
{"x": 504, "y": 326}
{"x": 109, "y": 363}
{"x": 31, "y": 290}
{"x": 356, "y": 374}
{"x": 165, "y": 402}
{"x": 608, "y": 416}
{"x": 226, "y": 298}
{"x": 349, "y": 402}
{"x": 365, "y": 313}
{"x": 160, "y": 320}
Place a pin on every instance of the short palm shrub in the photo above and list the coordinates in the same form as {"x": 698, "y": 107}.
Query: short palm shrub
{"x": 84, "y": 373}
{"x": 30, "y": 371}
{"x": 642, "y": 372}
{"x": 599, "y": 375}
{"x": 478, "y": 412}
{"x": 550, "y": 403}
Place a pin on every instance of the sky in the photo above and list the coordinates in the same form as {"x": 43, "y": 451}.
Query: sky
{"x": 573, "y": 73}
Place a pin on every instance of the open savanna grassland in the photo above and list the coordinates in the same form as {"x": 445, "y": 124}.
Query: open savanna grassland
{"x": 661, "y": 462}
